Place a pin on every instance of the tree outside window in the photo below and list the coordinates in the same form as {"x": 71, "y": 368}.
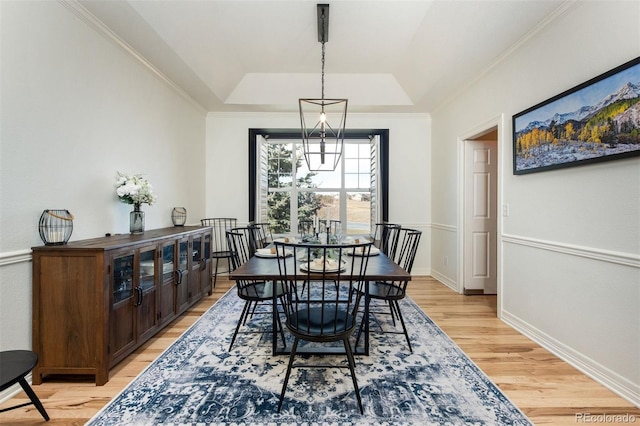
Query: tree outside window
{"x": 344, "y": 194}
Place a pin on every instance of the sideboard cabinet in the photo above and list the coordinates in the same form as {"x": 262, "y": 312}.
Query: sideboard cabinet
{"x": 95, "y": 301}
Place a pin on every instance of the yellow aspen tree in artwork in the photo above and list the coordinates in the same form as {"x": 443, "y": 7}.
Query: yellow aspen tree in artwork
{"x": 569, "y": 131}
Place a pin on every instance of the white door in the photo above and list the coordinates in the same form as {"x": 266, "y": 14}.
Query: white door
{"x": 480, "y": 216}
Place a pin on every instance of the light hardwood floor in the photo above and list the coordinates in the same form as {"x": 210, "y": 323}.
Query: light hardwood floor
{"x": 546, "y": 389}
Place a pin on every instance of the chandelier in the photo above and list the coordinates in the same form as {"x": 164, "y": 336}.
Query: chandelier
{"x": 323, "y": 141}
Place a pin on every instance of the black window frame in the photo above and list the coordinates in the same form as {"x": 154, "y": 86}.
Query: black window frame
{"x": 383, "y": 162}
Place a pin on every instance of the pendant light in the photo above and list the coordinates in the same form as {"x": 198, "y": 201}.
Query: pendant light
{"x": 323, "y": 141}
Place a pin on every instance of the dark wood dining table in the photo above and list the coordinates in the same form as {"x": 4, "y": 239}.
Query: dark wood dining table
{"x": 379, "y": 268}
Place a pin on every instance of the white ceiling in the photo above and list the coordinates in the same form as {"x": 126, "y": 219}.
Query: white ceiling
{"x": 383, "y": 55}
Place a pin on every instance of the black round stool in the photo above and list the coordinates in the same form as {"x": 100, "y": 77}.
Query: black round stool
{"x": 14, "y": 366}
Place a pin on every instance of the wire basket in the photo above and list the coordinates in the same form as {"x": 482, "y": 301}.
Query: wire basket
{"x": 179, "y": 216}
{"x": 56, "y": 227}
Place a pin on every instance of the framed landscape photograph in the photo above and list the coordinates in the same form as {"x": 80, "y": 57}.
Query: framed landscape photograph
{"x": 598, "y": 120}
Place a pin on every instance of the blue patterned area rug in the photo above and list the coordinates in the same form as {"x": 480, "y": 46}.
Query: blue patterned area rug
{"x": 196, "y": 381}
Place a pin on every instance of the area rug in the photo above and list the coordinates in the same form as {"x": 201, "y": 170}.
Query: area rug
{"x": 197, "y": 381}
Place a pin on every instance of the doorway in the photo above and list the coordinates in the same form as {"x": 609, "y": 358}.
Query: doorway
{"x": 479, "y": 216}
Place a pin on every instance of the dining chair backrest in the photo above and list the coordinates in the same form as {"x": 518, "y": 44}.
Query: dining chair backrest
{"x": 219, "y": 226}
{"x": 405, "y": 254}
{"x": 241, "y": 241}
{"x": 263, "y": 234}
{"x": 318, "y": 303}
{"x": 386, "y": 237}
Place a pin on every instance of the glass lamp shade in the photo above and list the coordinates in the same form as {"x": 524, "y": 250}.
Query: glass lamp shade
{"x": 56, "y": 227}
{"x": 322, "y": 122}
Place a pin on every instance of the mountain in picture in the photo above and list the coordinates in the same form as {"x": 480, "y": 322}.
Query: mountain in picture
{"x": 609, "y": 127}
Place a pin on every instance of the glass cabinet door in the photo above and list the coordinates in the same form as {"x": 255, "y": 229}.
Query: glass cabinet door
{"x": 182, "y": 290}
{"x": 167, "y": 285}
{"x": 147, "y": 269}
{"x": 195, "y": 290}
{"x": 183, "y": 253}
{"x": 197, "y": 250}
{"x": 123, "y": 278}
{"x": 206, "y": 263}
{"x": 125, "y": 299}
{"x": 168, "y": 261}
{"x": 146, "y": 306}
{"x": 207, "y": 247}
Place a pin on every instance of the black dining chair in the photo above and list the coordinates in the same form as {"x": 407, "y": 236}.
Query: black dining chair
{"x": 263, "y": 233}
{"x": 322, "y": 310}
{"x": 385, "y": 238}
{"x": 219, "y": 248}
{"x": 14, "y": 367}
{"x": 255, "y": 293}
{"x": 389, "y": 293}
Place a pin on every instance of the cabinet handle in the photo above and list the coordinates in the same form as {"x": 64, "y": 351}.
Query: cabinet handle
{"x": 178, "y": 273}
{"x": 138, "y": 296}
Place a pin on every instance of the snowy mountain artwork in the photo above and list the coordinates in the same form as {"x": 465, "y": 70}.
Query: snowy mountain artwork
{"x": 595, "y": 121}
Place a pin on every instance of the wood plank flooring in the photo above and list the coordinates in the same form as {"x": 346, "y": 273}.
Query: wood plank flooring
{"x": 548, "y": 390}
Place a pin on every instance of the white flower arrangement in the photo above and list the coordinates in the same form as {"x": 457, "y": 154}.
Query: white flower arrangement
{"x": 134, "y": 189}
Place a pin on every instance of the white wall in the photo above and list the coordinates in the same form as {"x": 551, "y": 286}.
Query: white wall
{"x": 409, "y": 164}
{"x": 570, "y": 265}
{"x": 76, "y": 108}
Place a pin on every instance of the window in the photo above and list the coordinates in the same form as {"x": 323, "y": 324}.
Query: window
{"x": 283, "y": 190}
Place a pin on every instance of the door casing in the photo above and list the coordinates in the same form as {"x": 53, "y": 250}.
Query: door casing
{"x": 497, "y": 123}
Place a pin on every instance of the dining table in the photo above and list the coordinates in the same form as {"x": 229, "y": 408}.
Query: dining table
{"x": 379, "y": 268}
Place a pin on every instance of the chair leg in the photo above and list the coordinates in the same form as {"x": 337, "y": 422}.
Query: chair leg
{"x": 286, "y": 377}
{"x": 394, "y": 314}
{"x": 245, "y": 311}
{"x": 404, "y": 327}
{"x": 250, "y": 314}
{"x": 356, "y": 304}
{"x": 361, "y": 327}
{"x": 360, "y": 330}
{"x": 215, "y": 272}
{"x": 34, "y": 398}
{"x": 352, "y": 368}
{"x": 284, "y": 342}
{"x": 253, "y": 311}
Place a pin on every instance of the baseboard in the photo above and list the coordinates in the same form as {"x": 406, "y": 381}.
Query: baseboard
{"x": 445, "y": 280}
{"x": 611, "y": 380}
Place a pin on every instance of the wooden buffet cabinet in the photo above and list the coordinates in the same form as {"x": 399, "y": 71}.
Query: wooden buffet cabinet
{"x": 95, "y": 301}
